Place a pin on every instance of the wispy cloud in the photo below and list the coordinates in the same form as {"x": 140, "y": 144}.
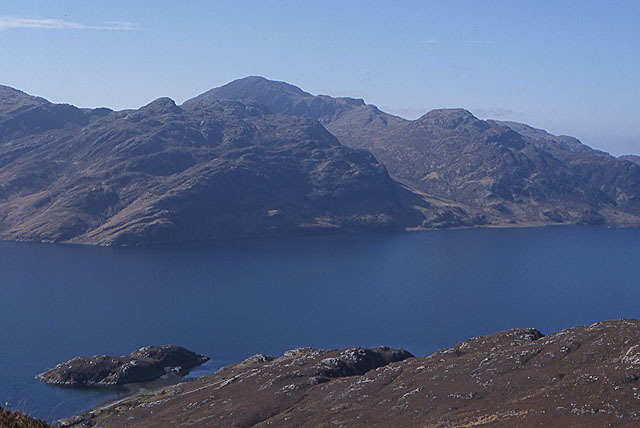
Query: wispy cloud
{"x": 12, "y": 22}
{"x": 477, "y": 42}
{"x": 459, "y": 42}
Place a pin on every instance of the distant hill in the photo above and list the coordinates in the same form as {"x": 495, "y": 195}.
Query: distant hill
{"x": 165, "y": 173}
{"x": 509, "y": 172}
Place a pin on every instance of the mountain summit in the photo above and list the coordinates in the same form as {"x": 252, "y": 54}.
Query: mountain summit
{"x": 280, "y": 98}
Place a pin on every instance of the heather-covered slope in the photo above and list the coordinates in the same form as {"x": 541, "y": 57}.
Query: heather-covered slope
{"x": 10, "y": 419}
{"x": 585, "y": 376}
{"x": 509, "y": 172}
{"x": 163, "y": 173}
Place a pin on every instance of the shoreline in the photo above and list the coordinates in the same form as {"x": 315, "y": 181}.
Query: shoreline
{"x": 506, "y": 226}
{"x": 476, "y": 374}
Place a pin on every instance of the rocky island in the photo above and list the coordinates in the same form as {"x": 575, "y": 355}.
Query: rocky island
{"x": 586, "y": 376}
{"x": 145, "y": 364}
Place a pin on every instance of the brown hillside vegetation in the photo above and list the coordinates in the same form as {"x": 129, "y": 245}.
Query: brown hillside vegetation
{"x": 19, "y": 420}
{"x": 585, "y": 376}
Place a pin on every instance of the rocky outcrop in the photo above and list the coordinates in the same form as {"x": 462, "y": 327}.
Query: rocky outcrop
{"x": 585, "y": 376}
{"x": 147, "y": 363}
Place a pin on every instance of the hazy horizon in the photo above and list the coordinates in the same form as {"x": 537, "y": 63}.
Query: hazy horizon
{"x": 551, "y": 65}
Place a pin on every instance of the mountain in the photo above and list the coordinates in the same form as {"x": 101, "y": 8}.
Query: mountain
{"x": 586, "y": 376}
{"x": 165, "y": 173}
{"x": 547, "y": 140}
{"x": 509, "y": 173}
{"x": 631, "y": 158}
{"x": 281, "y": 98}
{"x": 257, "y": 158}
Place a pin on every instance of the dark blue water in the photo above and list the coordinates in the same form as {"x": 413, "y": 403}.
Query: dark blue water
{"x": 229, "y": 300}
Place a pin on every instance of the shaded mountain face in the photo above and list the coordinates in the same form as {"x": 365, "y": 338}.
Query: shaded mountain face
{"x": 506, "y": 171}
{"x": 165, "y": 173}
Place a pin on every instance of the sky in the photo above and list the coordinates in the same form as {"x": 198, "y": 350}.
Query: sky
{"x": 569, "y": 67}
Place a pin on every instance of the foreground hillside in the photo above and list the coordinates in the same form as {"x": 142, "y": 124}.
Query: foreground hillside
{"x": 19, "y": 420}
{"x": 507, "y": 171}
{"x": 163, "y": 173}
{"x": 581, "y": 377}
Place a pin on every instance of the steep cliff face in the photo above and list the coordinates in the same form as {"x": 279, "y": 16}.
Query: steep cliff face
{"x": 509, "y": 172}
{"x": 165, "y": 173}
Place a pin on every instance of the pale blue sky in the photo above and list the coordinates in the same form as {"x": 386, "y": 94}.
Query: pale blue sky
{"x": 571, "y": 67}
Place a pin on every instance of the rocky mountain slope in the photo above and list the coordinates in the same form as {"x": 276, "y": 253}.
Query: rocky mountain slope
{"x": 508, "y": 172}
{"x": 581, "y": 377}
{"x": 165, "y": 173}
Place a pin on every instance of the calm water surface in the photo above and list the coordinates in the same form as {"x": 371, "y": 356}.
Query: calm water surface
{"x": 229, "y": 300}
